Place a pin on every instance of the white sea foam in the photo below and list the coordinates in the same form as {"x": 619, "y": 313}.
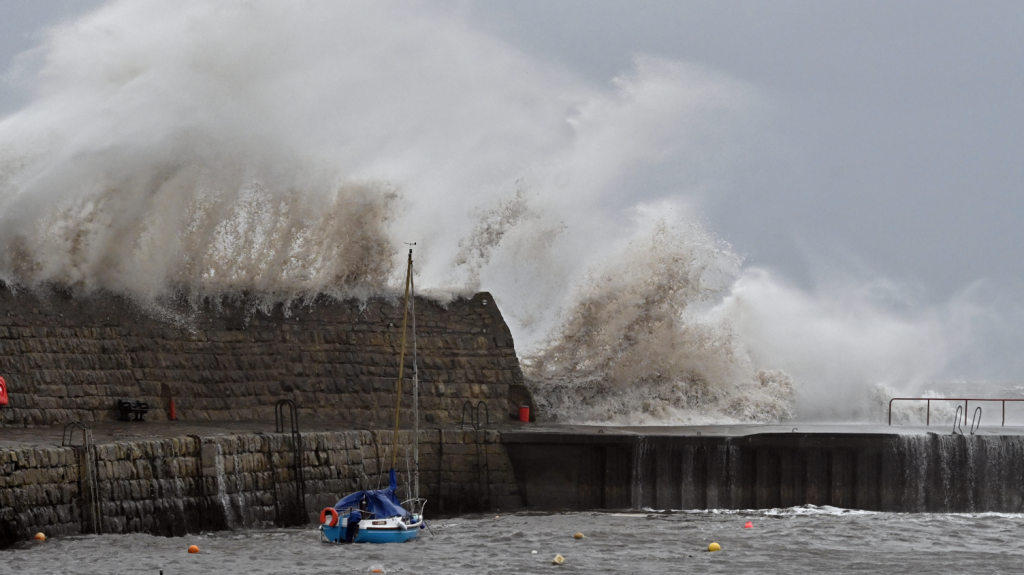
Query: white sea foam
{"x": 796, "y": 511}
{"x": 812, "y": 510}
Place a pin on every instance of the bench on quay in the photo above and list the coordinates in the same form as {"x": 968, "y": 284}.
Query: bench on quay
{"x": 132, "y": 410}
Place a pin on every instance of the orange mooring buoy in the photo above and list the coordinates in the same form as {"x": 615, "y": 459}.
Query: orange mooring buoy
{"x": 193, "y": 549}
{"x": 40, "y": 536}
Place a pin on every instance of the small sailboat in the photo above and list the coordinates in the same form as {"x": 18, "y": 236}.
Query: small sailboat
{"x": 378, "y": 516}
{"x": 372, "y": 516}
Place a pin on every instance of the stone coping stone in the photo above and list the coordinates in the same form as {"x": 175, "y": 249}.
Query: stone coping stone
{"x": 118, "y": 431}
{"x": 511, "y": 432}
{"x": 550, "y": 433}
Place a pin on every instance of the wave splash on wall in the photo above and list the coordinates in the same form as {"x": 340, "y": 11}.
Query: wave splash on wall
{"x": 638, "y": 349}
{"x": 148, "y": 239}
{"x": 196, "y": 149}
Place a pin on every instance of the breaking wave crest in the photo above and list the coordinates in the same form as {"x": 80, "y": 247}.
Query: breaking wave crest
{"x": 185, "y": 233}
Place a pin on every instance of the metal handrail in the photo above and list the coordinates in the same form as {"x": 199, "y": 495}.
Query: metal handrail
{"x": 487, "y": 414}
{"x": 474, "y": 415}
{"x": 966, "y": 400}
{"x": 279, "y": 415}
{"x": 472, "y": 419}
{"x": 415, "y": 505}
{"x": 68, "y": 438}
{"x": 977, "y": 417}
{"x": 956, "y": 421}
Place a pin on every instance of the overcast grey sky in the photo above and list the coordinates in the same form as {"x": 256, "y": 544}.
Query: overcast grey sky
{"x": 893, "y": 133}
{"x": 901, "y": 124}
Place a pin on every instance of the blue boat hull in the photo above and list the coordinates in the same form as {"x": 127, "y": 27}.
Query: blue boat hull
{"x": 336, "y": 534}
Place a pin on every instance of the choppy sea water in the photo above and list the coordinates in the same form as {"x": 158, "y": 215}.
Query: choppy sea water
{"x": 796, "y": 540}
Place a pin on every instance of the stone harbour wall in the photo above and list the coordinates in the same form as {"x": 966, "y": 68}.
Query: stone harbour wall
{"x": 70, "y": 358}
{"x": 189, "y": 484}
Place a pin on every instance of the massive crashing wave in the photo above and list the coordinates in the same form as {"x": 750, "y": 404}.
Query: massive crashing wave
{"x": 188, "y": 150}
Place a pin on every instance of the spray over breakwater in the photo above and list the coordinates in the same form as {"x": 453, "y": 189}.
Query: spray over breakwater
{"x": 636, "y": 349}
{"x": 167, "y": 151}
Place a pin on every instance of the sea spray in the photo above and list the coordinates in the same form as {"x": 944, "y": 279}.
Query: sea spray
{"x": 639, "y": 348}
{"x": 185, "y": 151}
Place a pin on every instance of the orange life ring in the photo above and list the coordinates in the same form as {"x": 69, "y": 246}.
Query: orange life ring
{"x": 334, "y": 516}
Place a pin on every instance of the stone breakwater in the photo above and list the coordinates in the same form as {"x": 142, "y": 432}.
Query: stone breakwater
{"x": 71, "y": 358}
{"x": 187, "y": 484}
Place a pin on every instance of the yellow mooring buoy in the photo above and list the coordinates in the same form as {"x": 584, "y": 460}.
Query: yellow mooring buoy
{"x": 714, "y": 547}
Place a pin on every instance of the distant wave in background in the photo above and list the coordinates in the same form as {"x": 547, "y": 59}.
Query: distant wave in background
{"x": 195, "y": 149}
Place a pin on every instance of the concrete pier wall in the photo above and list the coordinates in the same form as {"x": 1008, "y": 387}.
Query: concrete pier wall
{"x": 910, "y": 473}
{"x": 188, "y": 484}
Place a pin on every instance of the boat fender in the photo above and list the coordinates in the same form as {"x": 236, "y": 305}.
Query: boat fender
{"x": 334, "y": 516}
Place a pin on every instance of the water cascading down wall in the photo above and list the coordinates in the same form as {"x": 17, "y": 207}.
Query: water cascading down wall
{"x": 915, "y": 472}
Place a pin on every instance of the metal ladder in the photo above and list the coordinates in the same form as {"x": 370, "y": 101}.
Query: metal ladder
{"x": 88, "y": 482}
{"x": 297, "y": 450}
{"x": 483, "y": 471}
{"x": 975, "y": 420}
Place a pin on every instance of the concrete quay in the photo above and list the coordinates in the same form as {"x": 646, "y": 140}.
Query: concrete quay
{"x": 871, "y": 467}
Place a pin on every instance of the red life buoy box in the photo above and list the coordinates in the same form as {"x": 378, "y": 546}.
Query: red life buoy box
{"x": 3, "y": 391}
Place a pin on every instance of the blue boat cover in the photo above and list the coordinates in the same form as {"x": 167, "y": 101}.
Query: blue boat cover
{"x": 383, "y": 503}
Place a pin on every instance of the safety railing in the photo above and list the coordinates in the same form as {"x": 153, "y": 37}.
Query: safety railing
{"x": 966, "y": 400}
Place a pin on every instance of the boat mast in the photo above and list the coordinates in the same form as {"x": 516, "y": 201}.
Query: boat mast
{"x": 415, "y": 397}
{"x": 401, "y": 363}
